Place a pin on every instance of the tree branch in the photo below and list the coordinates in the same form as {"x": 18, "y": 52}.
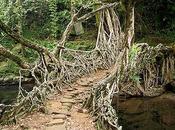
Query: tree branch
{"x": 91, "y": 14}
{"x": 26, "y": 42}
{"x": 65, "y": 35}
{"x": 7, "y": 54}
{"x": 22, "y": 40}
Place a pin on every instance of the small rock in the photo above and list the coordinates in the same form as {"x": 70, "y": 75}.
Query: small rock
{"x": 55, "y": 122}
{"x": 91, "y": 80}
{"x": 82, "y": 111}
{"x": 25, "y": 79}
{"x": 66, "y": 108}
{"x": 66, "y": 100}
{"x": 24, "y": 126}
{"x": 70, "y": 89}
{"x": 6, "y": 79}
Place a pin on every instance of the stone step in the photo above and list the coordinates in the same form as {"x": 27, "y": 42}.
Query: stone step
{"x": 64, "y": 112}
{"x": 68, "y": 104}
{"x": 66, "y": 100}
{"x": 74, "y": 93}
{"x": 56, "y": 122}
{"x": 56, "y": 127}
{"x": 68, "y": 96}
{"x": 66, "y": 108}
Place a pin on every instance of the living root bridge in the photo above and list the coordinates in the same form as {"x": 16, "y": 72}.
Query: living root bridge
{"x": 146, "y": 69}
{"x": 51, "y": 73}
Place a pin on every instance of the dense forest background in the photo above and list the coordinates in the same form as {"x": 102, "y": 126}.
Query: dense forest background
{"x": 43, "y": 21}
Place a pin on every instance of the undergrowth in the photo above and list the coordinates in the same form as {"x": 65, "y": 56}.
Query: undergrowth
{"x": 165, "y": 37}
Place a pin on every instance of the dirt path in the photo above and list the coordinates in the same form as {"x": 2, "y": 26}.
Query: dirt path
{"x": 64, "y": 111}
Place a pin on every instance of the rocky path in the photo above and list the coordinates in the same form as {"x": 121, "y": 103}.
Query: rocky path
{"x": 65, "y": 111}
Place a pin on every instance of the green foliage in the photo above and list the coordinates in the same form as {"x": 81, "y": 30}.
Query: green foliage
{"x": 8, "y": 68}
{"x": 36, "y": 13}
{"x": 63, "y": 20}
{"x": 11, "y": 13}
{"x": 155, "y": 17}
{"x": 8, "y": 43}
{"x": 84, "y": 2}
{"x": 60, "y": 13}
{"x": 53, "y": 16}
{"x": 3, "y": 9}
{"x": 85, "y": 45}
{"x": 37, "y": 33}
{"x": 133, "y": 52}
{"x": 59, "y": 16}
{"x": 165, "y": 39}
{"x": 135, "y": 77}
{"x": 46, "y": 43}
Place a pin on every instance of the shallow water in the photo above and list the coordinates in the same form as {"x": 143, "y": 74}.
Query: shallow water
{"x": 156, "y": 113}
{"x": 7, "y": 97}
{"x": 8, "y": 93}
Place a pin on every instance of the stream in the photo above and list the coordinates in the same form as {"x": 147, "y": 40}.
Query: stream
{"x": 9, "y": 92}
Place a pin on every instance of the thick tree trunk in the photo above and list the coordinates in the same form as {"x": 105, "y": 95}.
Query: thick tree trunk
{"x": 129, "y": 29}
{"x": 97, "y": 16}
{"x": 7, "y": 54}
{"x": 129, "y": 26}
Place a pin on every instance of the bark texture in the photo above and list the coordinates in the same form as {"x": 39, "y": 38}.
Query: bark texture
{"x": 129, "y": 29}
